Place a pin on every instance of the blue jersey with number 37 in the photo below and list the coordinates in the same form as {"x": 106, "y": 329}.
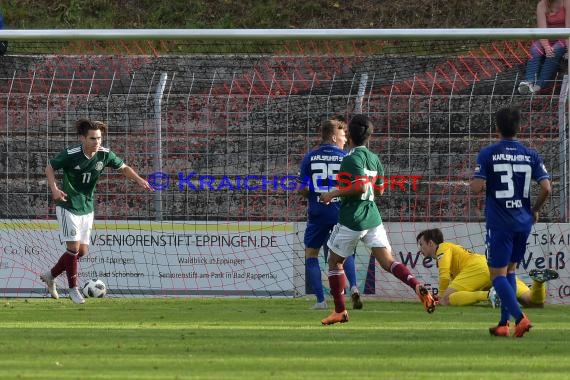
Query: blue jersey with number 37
{"x": 508, "y": 167}
{"x": 318, "y": 173}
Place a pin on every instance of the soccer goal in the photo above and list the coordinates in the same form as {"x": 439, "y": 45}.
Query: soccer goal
{"x": 218, "y": 120}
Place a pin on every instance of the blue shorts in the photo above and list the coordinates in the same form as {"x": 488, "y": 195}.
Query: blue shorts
{"x": 504, "y": 247}
{"x": 316, "y": 235}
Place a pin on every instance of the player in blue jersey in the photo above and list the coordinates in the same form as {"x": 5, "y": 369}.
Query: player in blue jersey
{"x": 505, "y": 170}
{"x": 82, "y": 165}
{"x": 317, "y": 175}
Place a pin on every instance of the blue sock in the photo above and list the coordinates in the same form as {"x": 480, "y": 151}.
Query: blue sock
{"x": 509, "y": 304}
{"x": 314, "y": 274}
{"x": 505, "y": 316}
{"x": 350, "y": 271}
{"x": 512, "y": 279}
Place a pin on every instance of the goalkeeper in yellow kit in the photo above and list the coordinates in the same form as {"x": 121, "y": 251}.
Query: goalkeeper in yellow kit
{"x": 464, "y": 277}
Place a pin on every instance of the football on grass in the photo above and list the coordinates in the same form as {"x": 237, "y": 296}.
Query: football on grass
{"x": 94, "y": 288}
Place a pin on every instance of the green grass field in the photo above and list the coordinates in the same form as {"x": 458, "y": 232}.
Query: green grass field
{"x": 271, "y": 338}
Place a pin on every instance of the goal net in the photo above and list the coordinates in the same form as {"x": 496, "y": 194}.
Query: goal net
{"x": 219, "y": 127}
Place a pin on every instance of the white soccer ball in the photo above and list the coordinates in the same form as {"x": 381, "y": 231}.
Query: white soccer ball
{"x": 94, "y": 288}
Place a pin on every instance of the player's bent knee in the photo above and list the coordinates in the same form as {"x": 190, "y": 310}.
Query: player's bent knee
{"x": 311, "y": 253}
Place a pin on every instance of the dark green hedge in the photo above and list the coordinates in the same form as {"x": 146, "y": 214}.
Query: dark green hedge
{"x": 75, "y": 14}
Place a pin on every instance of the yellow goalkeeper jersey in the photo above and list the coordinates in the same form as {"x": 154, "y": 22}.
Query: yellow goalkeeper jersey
{"x": 451, "y": 259}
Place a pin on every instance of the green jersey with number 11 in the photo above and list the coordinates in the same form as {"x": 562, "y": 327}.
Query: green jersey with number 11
{"x": 360, "y": 213}
{"x": 80, "y": 175}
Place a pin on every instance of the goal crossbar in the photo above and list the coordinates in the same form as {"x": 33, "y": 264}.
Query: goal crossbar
{"x": 291, "y": 34}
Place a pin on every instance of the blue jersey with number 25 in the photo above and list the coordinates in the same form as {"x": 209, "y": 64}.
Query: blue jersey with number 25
{"x": 318, "y": 172}
{"x": 508, "y": 167}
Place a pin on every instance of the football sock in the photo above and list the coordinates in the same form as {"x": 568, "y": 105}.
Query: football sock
{"x": 71, "y": 268}
{"x": 61, "y": 264}
{"x": 401, "y": 272}
{"x": 509, "y": 303}
{"x": 467, "y": 298}
{"x": 59, "y": 267}
{"x": 538, "y": 293}
{"x": 337, "y": 282}
{"x": 350, "y": 271}
{"x": 505, "y": 315}
{"x": 314, "y": 277}
{"x": 512, "y": 279}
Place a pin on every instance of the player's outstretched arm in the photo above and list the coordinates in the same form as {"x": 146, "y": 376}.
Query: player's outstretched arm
{"x": 132, "y": 175}
{"x": 56, "y": 193}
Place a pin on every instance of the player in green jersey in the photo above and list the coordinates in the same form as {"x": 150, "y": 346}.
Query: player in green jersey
{"x": 82, "y": 166}
{"x": 361, "y": 178}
